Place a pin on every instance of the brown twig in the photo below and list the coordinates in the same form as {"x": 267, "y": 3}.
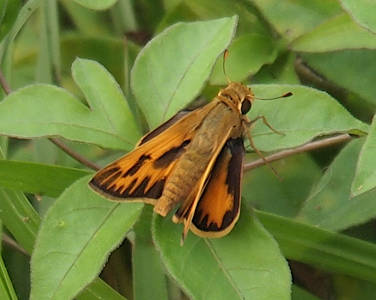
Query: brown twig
{"x": 307, "y": 147}
{"x": 74, "y": 154}
{"x": 13, "y": 244}
{"x": 4, "y": 83}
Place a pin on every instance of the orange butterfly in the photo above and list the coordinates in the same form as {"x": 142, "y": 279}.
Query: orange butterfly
{"x": 194, "y": 159}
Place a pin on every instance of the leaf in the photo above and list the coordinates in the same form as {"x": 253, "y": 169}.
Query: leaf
{"x": 326, "y": 250}
{"x": 247, "y": 55}
{"x": 263, "y": 190}
{"x": 342, "y": 67}
{"x": 245, "y": 264}
{"x": 330, "y": 205}
{"x": 149, "y": 278}
{"x": 96, "y": 5}
{"x": 336, "y": 34}
{"x": 293, "y": 18}
{"x": 19, "y": 217}
{"x": 24, "y": 14}
{"x": 45, "y": 111}
{"x": 37, "y": 178}
{"x": 88, "y": 227}
{"x": 361, "y": 12}
{"x": 171, "y": 69}
{"x": 307, "y": 114}
{"x": 6, "y": 288}
{"x": 365, "y": 176}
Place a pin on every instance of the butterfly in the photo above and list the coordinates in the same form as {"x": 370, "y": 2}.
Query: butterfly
{"x": 194, "y": 159}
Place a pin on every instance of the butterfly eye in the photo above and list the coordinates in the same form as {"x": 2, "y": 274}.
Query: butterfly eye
{"x": 246, "y": 106}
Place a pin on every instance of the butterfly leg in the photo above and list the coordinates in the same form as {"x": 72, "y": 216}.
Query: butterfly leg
{"x": 257, "y": 150}
{"x": 249, "y": 123}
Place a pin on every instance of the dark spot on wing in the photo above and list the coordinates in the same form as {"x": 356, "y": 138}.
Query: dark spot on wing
{"x": 233, "y": 179}
{"x": 156, "y": 190}
{"x": 171, "y": 155}
{"x": 140, "y": 190}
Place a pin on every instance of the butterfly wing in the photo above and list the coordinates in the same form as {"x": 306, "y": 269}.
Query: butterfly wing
{"x": 143, "y": 172}
{"x": 218, "y": 208}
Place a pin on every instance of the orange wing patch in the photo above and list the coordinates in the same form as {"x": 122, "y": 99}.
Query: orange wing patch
{"x": 218, "y": 208}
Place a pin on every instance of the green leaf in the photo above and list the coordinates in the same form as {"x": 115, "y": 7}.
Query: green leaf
{"x": 326, "y": 250}
{"x": 45, "y": 111}
{"x": 245, "y": 264}
{"x": 107, "y": 100}
{"x": 330, "y": 205}
{"x": 362, "y": 12}
{"x": 299, "y": 293}
{"x": 293, "y": 18}
{"x": 19, "y": 217}
{"x": 88, "y": 227}
{"x": 342, "y": 67}
{"x": 195, "y": 10}
{"x": 336, "y": 34}
{"x": 24, "y": 14}
{"x": 307, "y": 114}
{"x": 6, "y": 288}
{"x": 8, "y": 14}
{"x": 149, "y": 279}
{"x": 99, "y": 290}
{"x": 247, "y": 55}
{"x": 38, "y": 179}
{"x": 365, "y": 177}
{"x": 263, "y": 190}
{"x": 96, "y": 5}
{"x": 172, "y": 68}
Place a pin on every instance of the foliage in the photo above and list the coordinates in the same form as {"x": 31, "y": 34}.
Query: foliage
{"x": 80, "y": 71}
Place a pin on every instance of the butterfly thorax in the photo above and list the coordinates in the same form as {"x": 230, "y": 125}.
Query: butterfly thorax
{"x": 237, "y": 96}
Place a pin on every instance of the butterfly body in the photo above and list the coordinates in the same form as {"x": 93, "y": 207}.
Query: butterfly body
{"x": 195, "y": 159}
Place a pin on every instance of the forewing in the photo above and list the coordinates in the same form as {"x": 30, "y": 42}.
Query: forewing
{"x": 143, "y": 172}
{"x": 218, "y": 208}
{"x": 157, "y": 131}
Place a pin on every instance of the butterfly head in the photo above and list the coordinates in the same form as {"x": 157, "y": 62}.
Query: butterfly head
{"x": 238, "y": 95}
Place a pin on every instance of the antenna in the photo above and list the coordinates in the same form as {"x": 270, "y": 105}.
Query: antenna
{"x": 225, "y": 54}
{"x": 278, "y": 97}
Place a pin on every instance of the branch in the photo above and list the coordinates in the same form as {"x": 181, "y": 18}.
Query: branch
{"x": 307, "y": 147}
{"x": 4, "y": 83}
{"x": 74, "y": 154}
{"x": 13, "y": 244}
